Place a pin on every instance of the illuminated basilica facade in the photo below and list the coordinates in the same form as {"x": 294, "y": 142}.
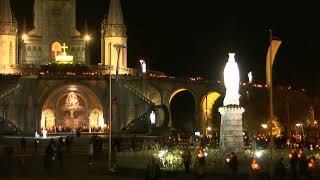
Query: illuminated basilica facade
{"x": 55, "y": 24}
{"x": 48, "y": 82}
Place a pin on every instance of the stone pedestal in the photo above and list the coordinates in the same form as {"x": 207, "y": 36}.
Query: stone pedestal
{"x": 231, "y": 134}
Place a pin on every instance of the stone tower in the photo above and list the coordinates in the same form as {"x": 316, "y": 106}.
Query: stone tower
{"x": 8, "y": 36}
{"x": 114, "y": 39}
{"x": 54, "y": 24}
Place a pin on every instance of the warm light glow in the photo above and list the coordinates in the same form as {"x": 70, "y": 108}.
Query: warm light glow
{"x": 258, "y": 154}
{"x": 64, "y": 58}
{"x": 298, "y": 124}
{"x": 209, "y": 128}
{"x": 176, "y": 92}
{"x": 208, "y": 102}
{"x": 231, "y": 81}
{"x": 143, "y": 66}
{"x": 197, "y": 133}
{"x": 24, "y": 37}
{"x": 250, "y": 77}
{"x": 152, "y": 117}
{"x": 87, "y": 37}
{"x": 264, "y": 126}
{"x": 101, "y": 122}
{"x": 44, "y": 133}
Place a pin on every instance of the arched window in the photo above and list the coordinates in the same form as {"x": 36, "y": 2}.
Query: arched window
{"x": 55, "y": 49}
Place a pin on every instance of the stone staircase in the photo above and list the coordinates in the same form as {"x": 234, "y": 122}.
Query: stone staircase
{"x": 137, "y": 92}
{"x": 5, "y": 94}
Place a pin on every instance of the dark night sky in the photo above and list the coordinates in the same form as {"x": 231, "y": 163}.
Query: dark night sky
{"x": 192, "y": 38}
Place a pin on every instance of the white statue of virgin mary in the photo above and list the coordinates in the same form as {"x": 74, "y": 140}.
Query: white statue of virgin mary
{"x": 231, "y": 81}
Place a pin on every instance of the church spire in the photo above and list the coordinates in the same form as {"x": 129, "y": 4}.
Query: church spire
{"x": 115, "y": 16}
{"x": 113, "y": 25}
{"x": 5, "y": 12}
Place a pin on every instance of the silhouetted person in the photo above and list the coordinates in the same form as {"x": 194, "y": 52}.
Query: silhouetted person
{"x": 293, "y": 163}
{"x": 280, "y": 170}
{"x": 35, "y": 144}
{"x": 91, "y": 153}
{"x": 186, "y": 157}
{"x": 133, "y": 143}
{"x": 303, "y": 165}
{"x": 23, "y": 144}
{"x": 60, "y": 150}
{"x": 153, "y": 170}
{"x": 233, "y": 163}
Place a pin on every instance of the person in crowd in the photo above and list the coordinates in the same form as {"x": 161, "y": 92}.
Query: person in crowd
{"x": 280, "y": 169}
{"x": 49, "y": 155}
{"x": 201, "y": 160}
{"x": 60, "y": 151}
{"x": 302, "y": 164}
{"x": 186, "y": 157}
{"x": 23, "y": 144}
{"x": 153, "y": 170}
{"x": 233, "y": 163}
{"x": 293, "y": 163}
{"x": 133, "y": 143}
{"x": 35, "y": 144}
{"x": 91, "y": 153}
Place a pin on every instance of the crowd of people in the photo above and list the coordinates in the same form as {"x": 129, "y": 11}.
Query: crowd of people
{"x": 67, "y": 129}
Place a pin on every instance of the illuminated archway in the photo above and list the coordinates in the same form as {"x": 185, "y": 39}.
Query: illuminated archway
{"x": 73, "y": 106}
{"x": 207, "y": 104}
{"x": 182, "y": 104}
{"x": 56, "y": 49}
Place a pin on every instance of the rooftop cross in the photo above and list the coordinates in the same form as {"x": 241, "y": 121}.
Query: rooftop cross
{"x": 64, "y": 47}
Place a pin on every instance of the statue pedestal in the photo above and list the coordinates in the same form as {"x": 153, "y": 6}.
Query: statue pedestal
{"x": 231, "y": 134}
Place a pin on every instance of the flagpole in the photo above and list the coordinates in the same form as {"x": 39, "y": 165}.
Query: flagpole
{"x": 270, "y": 102}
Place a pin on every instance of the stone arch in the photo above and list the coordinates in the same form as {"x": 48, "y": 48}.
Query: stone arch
{"x": 174, "y": 93}
{"x": 56, "y": 49}
{"x": 206, "y": 107}
{"x": 90, "y": 93}
{"x": 96, "y": 118}
{"x": 47, "y": 118}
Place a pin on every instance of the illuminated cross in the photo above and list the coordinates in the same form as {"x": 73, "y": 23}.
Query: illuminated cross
{"x": 64, "y": 47}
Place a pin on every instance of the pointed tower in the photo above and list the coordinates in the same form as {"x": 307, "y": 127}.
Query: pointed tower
{"x": 8, "y": 35}
{"x": 54, "y": 24}
{"x": 114, "y": 39}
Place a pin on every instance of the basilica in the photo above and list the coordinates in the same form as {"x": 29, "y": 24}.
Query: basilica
{"x": 48, "y": 83}
{"x": 55, "y": 24}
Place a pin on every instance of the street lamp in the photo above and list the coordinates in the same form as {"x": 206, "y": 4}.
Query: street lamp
{"x": 264, "y": 126}
{"x": 24, "y": 37}
{"x": 87, "y": 38}
{"x": 300, "y": 125}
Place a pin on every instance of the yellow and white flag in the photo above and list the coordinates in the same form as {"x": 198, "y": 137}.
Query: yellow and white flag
{"x": 273, "y": 48}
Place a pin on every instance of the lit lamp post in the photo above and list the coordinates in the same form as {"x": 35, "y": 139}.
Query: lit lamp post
{"x": 87, "y": 39}
{"x": 300, "y": 125}
{"x": 265, "y": 127}
{"x": 24, "y": 38}
{"x": 208, "y": 129}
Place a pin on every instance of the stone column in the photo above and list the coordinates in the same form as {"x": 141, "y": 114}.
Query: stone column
{"x": 231, "y": 133}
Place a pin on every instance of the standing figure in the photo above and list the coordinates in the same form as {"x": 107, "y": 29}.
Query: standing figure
{"x": 186, "y": 157}
{"x": 23, "y": 144}
{"x": 233, "y": 163}
{"x": 91, "y": 153}
{"x": 231, "y": 81}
